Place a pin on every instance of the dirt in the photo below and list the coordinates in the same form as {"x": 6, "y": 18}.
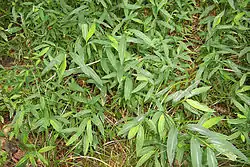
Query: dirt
{"x": 7, "y": 61}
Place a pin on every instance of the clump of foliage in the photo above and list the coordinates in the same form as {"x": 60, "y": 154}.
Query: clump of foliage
{"x": 171, "y": 78}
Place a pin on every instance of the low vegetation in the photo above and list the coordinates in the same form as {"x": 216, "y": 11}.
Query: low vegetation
{"x": 125, "y": 83}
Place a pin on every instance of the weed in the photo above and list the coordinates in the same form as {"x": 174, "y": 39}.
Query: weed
{"x": 126, "y": 83}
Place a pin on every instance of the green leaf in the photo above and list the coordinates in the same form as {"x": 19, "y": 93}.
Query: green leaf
{"x": 211, "y": 158}
{"x": 161, "y": 126}
{"x": 91, "y": 32}
{"x": 22, "y": 161}
{"x": 149, "y": 94}
{"x": 144, "y": 158}
{"x": 84, "y": 28}
{"x": 238, "y": 17}
{"x": 211, "y": 122}
{"x": 86, "y": 69}
{"x": 231, "y": 3}
{"x": 111, "y": 58}
{"x": 14, "y": 30}
{"x": 151, "y": 125}
{"x": 56, "y": 125}
{"x": 56, "y": 61}
{"x": 196, "y": 154}
{"x": 98, "y": 123}
{"x": 32, "y": 160}
{"x": 89, "y": 132}
{"x": 44, "y": 51}
{"x": 244, "y": 51}
{"x": 69, "y": 130}
{"x": 227, "y": 148}
{"x": 243, "y": 79}
{"x": 217, "y": 19}
{"x": 198, "y": 91}
{"x": 81, "y": 113}
{"x": 172, "y": 144}
{"x": 157, "y": 163}
{"x": 4, "y": 36}
{"x": 127, "y": 127}
{"x": 73, "y": 139}
{"x": 46, "y": 149}
{"x": 139, "y": 139}
{"x": 239, "y": 106}
{"x": 41, "y": 157}
{"x": 244, "y": 98}
{"x": 62, "y": 69}
{"x": 199, "y": 106}
{"x": 128, "y": 88}
{"x": 139, "y": 87}
{"x": 141, "y": 35}
{"x": 122, "y": 49}
{"x": 85, "y": 144}
{"x": 133, "y": 132}
{"x": 244, "y": 89}
{"x": 120, "y": 72}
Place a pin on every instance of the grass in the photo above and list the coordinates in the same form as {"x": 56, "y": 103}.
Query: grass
{"x": 125, "y": 83}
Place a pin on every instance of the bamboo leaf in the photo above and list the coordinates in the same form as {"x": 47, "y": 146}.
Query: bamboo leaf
{"x": 84, "y": 28}
{"x": 128, "y": 88}
{"x": 44, "y": 51}
{"x": 56, "y": 61}
{"x": 217, "y": 19}
{"x": 141, "y": 35}
{"x": 149, "y": 94}
{"x": 46, "y": 149}
{"x": 89, "y": 132}
{"x": 172, "y": 144}
{"x": 161, "y": 126}
{"x": 211, "y": 158}
{"x": 139, "y": 87}
{"x": 122, "y": 49}
{"x": 198, "y": 91}
{"x": 139, "y": 139}
{"x": 86, "y": 69}
{"x": 56, "y": 125}
{"x": 144, "y": 158}
{"x": 211, "y": 122}
{"x": 231, "y": 3}
{"x": 62, "y": 69}
{"x": 195, "y": 152}
{"x": 91, "y": 32}
{"x": 73, "y": 139}
{"x": 133, "y": 132}
{"x": 111, "y": 58}
{"x": 199, "y": 106}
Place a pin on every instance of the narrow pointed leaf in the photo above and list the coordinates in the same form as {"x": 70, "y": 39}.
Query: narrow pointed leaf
{"x": 89, "y": 132}
{"x": 211, "y": 122}
{"x": 161, "y": 125}
{"x": 144, "y": 37}
{"x": 139, "y": 87}
{"x": 217, "y": 19}
{"x": 172, "y": 144}
{"x": 144, "y": 158}
{"x": 86, "y": 69}
{"x": 56, "y": 61}
{"x": 195, "y": 152}
{"x": 132, "y": 132}
{"x": 139, "y": 139}
{"x": 128, "y": 88}
{"x": 122, "y": 49}
{"x": 91, "y": 32}
{"x": 199, "y": 106}
{"x": 46, "y": 149}
{"x": 211, "y": 158}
